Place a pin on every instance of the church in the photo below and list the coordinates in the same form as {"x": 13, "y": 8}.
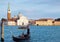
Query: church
{"x": 16, "y": 20}
{"x": 22, "y": 20}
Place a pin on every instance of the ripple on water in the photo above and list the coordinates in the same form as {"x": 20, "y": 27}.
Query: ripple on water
{"x": 38, "y": 33}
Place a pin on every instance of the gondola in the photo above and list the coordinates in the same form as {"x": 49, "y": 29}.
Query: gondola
{"x": 26, "y": 37}
{"x": 23, "y": 36}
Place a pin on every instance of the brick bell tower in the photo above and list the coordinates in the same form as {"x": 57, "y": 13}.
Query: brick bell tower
{"x": 9, "y": 12}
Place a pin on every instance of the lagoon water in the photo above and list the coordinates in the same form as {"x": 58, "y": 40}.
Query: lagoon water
{"x": 0, "y": 33}
{"x": 37, "y": 33}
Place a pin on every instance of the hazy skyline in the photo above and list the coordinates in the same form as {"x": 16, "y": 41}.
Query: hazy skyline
{"x": 33, "y": 9}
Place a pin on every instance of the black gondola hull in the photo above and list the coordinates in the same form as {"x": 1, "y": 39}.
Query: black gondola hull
{"x": 20, "y": 39}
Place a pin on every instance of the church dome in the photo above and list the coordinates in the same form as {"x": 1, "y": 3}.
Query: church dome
{"x": 19, "y": 15}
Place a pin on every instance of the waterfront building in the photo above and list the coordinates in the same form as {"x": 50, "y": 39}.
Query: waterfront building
{"x": 44, "y": 22}
{"x": 57, "y": 21}
{"x": 50, "y": 21}
{"x": 9, "y": 20}
{"x": 31, "y": 22}
{"x": 41, "y": 22}
{"x": 16, "y": 20}
{"x": 11, "y": 23}
{"x": 22, "y": 20}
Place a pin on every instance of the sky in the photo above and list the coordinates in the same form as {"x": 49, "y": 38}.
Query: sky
{"x": 33, "y": 9}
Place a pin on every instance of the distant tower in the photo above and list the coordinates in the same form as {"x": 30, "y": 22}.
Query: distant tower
{"x": 9, "y": 12}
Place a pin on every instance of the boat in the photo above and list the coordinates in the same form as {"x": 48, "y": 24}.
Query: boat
{"x": 23, "y": 27}
{"x": 23, "y": 36}
{"x": 19, "y": 38}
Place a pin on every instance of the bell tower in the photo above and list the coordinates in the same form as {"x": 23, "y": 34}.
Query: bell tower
{"x": 9, "y": 12}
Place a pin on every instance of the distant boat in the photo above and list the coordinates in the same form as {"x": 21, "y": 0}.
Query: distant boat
{"x": 23, "y": 27}
{"x": 23, "y": 36}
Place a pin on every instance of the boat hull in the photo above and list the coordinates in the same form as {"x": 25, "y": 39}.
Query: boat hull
{"x": 20, "y": 39}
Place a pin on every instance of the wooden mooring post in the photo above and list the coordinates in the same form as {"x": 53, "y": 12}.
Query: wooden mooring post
{"x": 2, "y": 31}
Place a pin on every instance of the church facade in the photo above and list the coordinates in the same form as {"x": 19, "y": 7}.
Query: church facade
{"x": 16, "y": 20}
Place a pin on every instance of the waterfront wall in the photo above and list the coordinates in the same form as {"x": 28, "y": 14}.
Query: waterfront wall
{"x": 47, "y": 22}
{"x": 10, "y": 23}
{"x": 57, "y": 23}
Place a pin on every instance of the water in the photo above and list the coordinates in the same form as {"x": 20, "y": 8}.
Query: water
{"x": 0, "y": 33}
{"x": 37, "y": 33}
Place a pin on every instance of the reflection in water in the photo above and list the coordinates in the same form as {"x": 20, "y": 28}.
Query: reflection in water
{"x": 24, "y": 41}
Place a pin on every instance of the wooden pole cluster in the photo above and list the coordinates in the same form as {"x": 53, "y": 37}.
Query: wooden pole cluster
{"x": 2, "y": 31}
